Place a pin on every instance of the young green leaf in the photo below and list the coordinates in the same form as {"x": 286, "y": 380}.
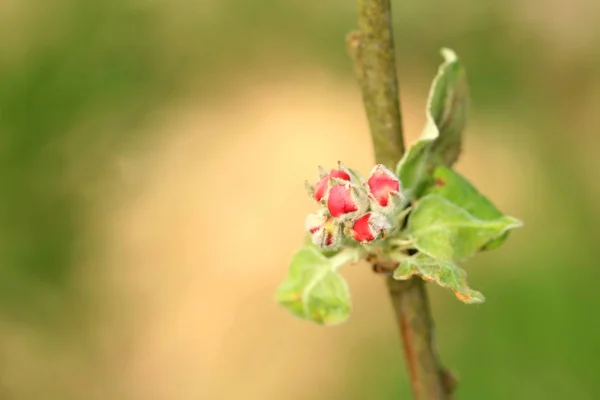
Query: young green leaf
{"x": 446, "y": 231}
{"x": 313, "y": 289}
{"x": 440, "y": 142}
{"x": 454, "y": 187}
{"x": 445, "y": 273}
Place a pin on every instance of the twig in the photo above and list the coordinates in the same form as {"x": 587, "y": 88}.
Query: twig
{"x": 372, "y": 49}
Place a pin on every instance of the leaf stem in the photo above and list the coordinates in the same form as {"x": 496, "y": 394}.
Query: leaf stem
{"x": 372, "y": 49}
{"x": 346, "y": 256}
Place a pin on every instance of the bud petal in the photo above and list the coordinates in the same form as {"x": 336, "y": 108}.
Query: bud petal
{"x": 340, "y": 174}
{"x": 361, "y": 231}
{"x": 340, "y": 201}
{"x": 320, "y": 189}
{"x": 383, "y": 185}
{"x": 346, "y": 200}
{"x": 369, "y": 227}
{"x": 325, "y": 232}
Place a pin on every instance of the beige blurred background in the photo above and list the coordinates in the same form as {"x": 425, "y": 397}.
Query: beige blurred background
{"x": 153, "y": 158}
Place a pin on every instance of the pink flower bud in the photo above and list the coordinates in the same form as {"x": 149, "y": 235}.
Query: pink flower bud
{"x": 346, "y": 200}
{"x": 370, "y": 227}
{"x": 323, "y": 183}
{"x": 383, "y": 184}
{"x": 325, "y": 232}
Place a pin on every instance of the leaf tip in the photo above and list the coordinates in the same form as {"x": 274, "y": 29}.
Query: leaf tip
{"x": 449, "y": 55}
{"x": 515, "y": 223}
{"x": 470, "y": 297}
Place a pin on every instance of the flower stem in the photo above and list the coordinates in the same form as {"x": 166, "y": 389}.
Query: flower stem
{"x": 372, "y": 49}
{"x": 346, "y": 256}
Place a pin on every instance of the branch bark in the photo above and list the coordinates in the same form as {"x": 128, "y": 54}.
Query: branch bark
{"x": 372, "y": 49}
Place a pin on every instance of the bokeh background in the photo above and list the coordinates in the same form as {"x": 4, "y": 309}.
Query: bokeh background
{"x": 152, "y": 159}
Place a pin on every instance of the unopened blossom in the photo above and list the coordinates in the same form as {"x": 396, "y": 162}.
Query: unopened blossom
{"x": 323, "y": 183}
{"x": 369, "y": 227}
{"x": 384, "y": 186}
{"x": 346, "y": 201}
{"x": 325, "y": 231}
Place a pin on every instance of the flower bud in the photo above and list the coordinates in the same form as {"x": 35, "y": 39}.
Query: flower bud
{"x": 325, "y": 232}
{"x": 369, "y": 227}
{"x": 320, "y": 189}
{"x": 346, "y": 200}
{"x": 384, "y": 187}
{"x": 315, "y": 221}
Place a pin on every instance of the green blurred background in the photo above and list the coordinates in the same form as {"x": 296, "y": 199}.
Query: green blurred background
{"x": 150, "y": 150}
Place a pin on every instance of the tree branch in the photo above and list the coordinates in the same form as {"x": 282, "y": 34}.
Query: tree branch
{"x": 372, "y": 49}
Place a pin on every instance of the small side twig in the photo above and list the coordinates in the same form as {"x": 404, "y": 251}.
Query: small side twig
{"x": 372, "y": 49}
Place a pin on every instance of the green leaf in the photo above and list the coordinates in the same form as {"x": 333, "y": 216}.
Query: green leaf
{"x": 454, "y": 187}
{"x": 446, "y": 231}
{"x": 445, "y": 273}
{"x": 313, "y": 289}
{"x": 440, "y": 142}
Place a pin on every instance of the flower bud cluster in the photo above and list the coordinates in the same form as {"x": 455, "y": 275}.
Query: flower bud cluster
{"x": 352, "y": 208}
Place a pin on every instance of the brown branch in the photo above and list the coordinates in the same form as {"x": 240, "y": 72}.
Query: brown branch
{"x": 372, "y": 49}
{"x": 430, "y": 381}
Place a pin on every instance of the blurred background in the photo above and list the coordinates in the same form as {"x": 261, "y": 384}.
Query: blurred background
{"x": 151, "y": 150}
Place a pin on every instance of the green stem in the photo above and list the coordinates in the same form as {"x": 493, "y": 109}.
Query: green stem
{"x": 372, "y": 48}
{"x": 346, "y": 256}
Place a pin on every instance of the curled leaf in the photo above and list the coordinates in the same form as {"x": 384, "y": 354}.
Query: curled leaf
{"x": 440, "y": 142}
{"x": 445, "y": 273}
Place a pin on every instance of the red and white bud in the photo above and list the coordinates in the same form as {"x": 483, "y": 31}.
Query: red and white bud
{"x": 345, "y": 173}
{"x": 384, "y": 188}
{"x": 369, "y": 227}
{"x": 325, "y": 231}
{"x": 346, "y": 200}
{"x": 315, "y": 221}
{"x": 319, "y": 190}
